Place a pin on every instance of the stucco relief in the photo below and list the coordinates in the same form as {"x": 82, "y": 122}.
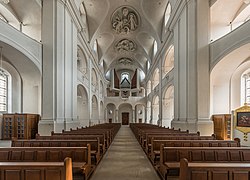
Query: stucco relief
{"x": 124, "y": 20}
{"x": 125, "y": 45}
{"x": 125, "y": 61}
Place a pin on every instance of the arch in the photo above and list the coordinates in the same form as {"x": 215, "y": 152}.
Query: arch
{"x": 111, "y": 113}
{"x": 168, "y": 106}
{"x": 28, "y": 50}
{"x": 149, "y": 115}
{"x": 225, "y": 80}
{"x": 26, "y": 79}
{"x": 94, "y": 112}
{"x": 169, "y": 61}
{"x": 82, "y": 64}
{"x": 125, "y": 108}
{"x": 155, "y": 110}
{"x": 155, "y": 80}
{"x": 82, "y": 105}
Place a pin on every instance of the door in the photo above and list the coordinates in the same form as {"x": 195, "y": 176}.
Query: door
{"x": 125, "y": 118}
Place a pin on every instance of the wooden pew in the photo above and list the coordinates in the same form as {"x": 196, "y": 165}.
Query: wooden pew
{"x": 36, "y": 170}
{"x": 145, "y": 135}
{"x": 82, "y": 132}
{"x": 170, "y": 156}
{"x": 94, "y": 144}
{"x": 213, "y": 171}
{"x": 62, "y": 136}
{"x": 113, "y": 127}
{"x": 81, "y": 159}
{"x": 152, "y": 137}
{"x": 154, "y": 155}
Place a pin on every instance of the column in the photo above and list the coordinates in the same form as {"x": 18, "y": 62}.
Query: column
{"x": 205, "y": 125}
{"x": 116, "y": 115}
{"x": 59, "y": 97}
{"x": 191, "y": 61}
{"x": 133, "y": 115}
{"x": 160, "y": 92}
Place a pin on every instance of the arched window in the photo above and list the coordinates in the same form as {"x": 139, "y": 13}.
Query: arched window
{"x": 155, "y": 48}
{"x": 245, "y": 87}
{"x": 95, "y": 46}
{"x": 167, "y": 14}
{"x": 148, "y": 64}
{"x": 3, "y": 91}
{"x": 124, "y": 75}
{"x": 169, "y": 61}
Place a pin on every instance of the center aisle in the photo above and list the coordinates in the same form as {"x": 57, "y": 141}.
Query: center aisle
{"x": 125, "y": 160}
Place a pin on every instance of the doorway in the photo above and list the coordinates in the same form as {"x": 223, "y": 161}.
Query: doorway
{"x": 110, "y": 120}
{"x": 125, "y": 118}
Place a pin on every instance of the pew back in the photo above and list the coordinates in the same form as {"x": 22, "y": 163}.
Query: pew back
{"x": 36, "y": 171}
{"x": 213, "y": 171}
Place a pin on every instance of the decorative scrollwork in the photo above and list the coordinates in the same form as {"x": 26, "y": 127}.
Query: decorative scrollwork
{"x": 124, "y": 20}
{"x": 125, "y": 45}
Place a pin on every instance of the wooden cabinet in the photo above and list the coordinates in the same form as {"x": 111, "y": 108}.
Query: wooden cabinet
{"x": 222, "y": 126}
{"x": 20, "y": 126}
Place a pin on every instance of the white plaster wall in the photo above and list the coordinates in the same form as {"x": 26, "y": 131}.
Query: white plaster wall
{"x": 31, "y": 96}
{"x": 221, "y": 98}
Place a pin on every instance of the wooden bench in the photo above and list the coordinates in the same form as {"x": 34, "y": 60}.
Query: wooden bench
{"x": 170, "y": 156}
{"x": 83, "y": 133}
{"x": 36, "y": 170}
{"x": 94, "y": 144}
{"x": 81, "y": 159}
{"x": 62, "y": 136}
{"x": 170, "y": 137}
{"x": 213, "y": 171}
{"x": 154, "y": 155}
{"x": 144, "y": 134}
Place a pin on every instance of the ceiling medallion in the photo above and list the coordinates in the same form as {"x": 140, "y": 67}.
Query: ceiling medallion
{"x": 125, "y": 61}
{"x": 125, "y": 45}
{"x": 124, "y": 20}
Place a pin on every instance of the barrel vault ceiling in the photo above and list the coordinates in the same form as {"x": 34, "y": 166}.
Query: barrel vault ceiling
{"x": 125, "y": 30}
